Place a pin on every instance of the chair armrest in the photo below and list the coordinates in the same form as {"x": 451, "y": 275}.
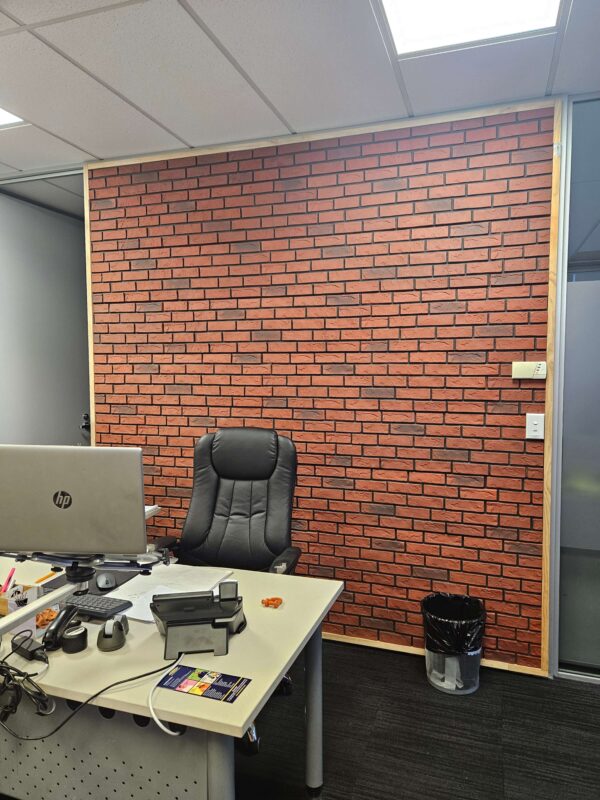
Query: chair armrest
{"x": 164, "y": 543}
{"x": 285, "y": 563}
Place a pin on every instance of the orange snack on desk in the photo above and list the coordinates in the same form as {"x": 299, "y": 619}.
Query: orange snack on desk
{"x": 272, "y": 602}
{"x": 44, "y": 618}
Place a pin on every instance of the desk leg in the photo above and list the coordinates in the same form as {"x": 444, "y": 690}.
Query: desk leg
{"x": 220, "y": 767}
{"x": 314, "y": 713}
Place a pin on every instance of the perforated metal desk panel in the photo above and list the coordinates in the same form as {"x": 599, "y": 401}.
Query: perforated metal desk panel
{"x": 263, "y": 652}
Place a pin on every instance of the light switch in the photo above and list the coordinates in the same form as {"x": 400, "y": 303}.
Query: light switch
{"x": 529, "y": 370}
{"x": 534, "y": 426}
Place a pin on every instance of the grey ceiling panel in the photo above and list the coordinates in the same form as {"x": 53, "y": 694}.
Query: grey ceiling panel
{"x": 6, "y": 170}
{"x": 579, "y": 63}
{"x": 5, "y": 23}
{"x": 71, "y": 183}
{"x": 585, "y": 158}
{"x": 584, "y": 228}
{"x": 27, "y": 147}
{"x": 156, "y": 56}
{"x": 29, "y": 11}
{"x": 49, "y": 91}
{"x": 44, "y": 193}
{"x": 479, "y": 76}
{"x": 322, "y": 64}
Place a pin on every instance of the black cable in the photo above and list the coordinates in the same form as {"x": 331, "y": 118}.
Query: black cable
{"x": 85, "y": 703}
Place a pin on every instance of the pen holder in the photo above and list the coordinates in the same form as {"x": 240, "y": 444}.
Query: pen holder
{"x": 17, "y": 597}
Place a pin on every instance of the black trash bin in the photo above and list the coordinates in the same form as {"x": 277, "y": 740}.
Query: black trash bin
{"x": 454, "y": 626}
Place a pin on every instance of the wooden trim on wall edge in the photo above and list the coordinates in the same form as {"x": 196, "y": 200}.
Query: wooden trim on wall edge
{"x": 332, "y": 133}
{"x": 557, "y": 160}
{"x": 419, "y": 651}
{"x": 90, "y": 304}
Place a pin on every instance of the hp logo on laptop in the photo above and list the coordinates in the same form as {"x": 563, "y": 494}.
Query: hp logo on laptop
{"x": 62, "y": 499}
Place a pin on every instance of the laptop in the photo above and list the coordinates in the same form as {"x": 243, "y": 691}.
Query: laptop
{"x": 72, "y": 500}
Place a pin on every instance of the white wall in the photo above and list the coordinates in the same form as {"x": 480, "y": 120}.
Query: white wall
{"x": 43, "y": 326}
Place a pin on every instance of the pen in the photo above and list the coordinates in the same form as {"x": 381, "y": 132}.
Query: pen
{"x": 6, "y": 583}
{"x": 45, "y": 577}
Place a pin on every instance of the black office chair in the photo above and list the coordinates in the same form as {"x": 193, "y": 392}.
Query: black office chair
{"x": 240, "y": 514}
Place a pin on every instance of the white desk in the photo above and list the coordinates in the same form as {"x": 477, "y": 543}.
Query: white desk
{"x": 263, "y": 652}
{"x": 27, "y": 572}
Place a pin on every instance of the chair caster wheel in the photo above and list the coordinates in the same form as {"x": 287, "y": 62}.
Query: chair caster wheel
{"x": 249, "y": 744}
{"x": 286, "y": 687}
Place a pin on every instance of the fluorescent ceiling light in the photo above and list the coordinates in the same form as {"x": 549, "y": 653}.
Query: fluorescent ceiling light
{"x": 6, "y": 118}
{"x": 427, "y": 24}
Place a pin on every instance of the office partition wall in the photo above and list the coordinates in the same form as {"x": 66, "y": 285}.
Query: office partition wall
{"x": 43, "y": 326}
{"x": 579, "y": 622}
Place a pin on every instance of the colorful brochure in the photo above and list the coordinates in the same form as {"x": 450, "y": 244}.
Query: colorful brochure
{"x": 204, "y": 683}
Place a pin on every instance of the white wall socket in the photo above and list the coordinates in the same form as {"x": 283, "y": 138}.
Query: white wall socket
{"x": 529, "y": 369}
{"x": 534, "y": 426}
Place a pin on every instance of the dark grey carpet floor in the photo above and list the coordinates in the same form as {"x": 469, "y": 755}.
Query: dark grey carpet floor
{"x": 388, "y": 734}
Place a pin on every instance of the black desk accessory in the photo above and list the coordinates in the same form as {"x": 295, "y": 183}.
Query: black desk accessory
{"x": 75, "y": 639}
{"x": 199, "y": 622}
{"x": 96, "y": 606}
{"x": 55, "y": 631}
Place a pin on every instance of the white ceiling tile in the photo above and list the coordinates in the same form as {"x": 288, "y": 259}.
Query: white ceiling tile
{"x": 579, "y": 63}
{"x": 44, "y": 88}
{"x": 27, "y": 147}
{"x": 40, "y": 10}
{"x": 477, "y": 76}
{"x": 44, "y": 193}
{"x": 156, "y": 56}
{"x": 321, "y": 63}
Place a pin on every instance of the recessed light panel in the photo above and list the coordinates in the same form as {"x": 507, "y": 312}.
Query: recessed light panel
{"x": 429, "y": 24}
{"x": 6, "y": 118}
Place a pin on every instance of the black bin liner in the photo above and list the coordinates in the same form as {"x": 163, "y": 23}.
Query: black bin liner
{"x": 454, "y": 623}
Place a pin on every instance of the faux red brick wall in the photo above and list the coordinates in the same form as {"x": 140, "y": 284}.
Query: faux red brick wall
{"x": 365, "y": 296}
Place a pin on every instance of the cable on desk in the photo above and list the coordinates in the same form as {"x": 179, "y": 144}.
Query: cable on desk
{"x": 86, "y": 702}
{"x": 17, "y": 684}
{"x": 151, "y": 706}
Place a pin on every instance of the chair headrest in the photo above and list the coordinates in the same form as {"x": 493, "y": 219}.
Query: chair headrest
{"x": 245, "y": 454}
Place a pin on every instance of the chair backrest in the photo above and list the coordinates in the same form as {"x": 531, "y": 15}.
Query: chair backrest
{"x": 241, "y": 508}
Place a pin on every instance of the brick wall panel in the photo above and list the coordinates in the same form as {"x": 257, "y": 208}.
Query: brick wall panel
{"x": 365, "y": 296}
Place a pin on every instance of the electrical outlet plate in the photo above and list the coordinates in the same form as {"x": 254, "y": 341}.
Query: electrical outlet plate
{"x": 529, "y": 370}
{"x": 534, "y": 426}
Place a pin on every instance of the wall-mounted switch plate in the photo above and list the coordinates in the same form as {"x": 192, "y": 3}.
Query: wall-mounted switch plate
{"x": 534, "y": 426}
{"x": 529, "y": 369}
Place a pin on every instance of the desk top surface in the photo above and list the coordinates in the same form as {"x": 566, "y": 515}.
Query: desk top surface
{"x": 263, "y": 652}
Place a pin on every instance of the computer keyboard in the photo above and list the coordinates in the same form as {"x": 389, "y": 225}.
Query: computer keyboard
{"x": 97, "y": 606}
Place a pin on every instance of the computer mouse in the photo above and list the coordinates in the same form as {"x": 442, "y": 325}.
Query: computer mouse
{"x": 113, "y": 633}
{"x": 105, "y": 581}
